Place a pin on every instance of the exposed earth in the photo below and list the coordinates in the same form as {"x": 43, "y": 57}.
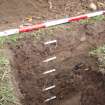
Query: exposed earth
{"x": 77, "y": 78}
{"x": 12, "y": 13}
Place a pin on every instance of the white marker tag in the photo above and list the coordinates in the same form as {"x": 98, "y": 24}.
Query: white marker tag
{"x": 50, "y": 59}
{"x": 49, "y": 88}
{"x": 50, "y": 42}
{"x": 49, "y": 99}
{"x": 50, "y": 71}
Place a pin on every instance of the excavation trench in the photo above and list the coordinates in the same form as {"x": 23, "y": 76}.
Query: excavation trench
{"x": 59, "y": 73}
{"x": 57, "y": 69}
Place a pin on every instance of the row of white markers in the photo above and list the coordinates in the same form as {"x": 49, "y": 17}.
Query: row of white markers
{"x": 50, "y": 71}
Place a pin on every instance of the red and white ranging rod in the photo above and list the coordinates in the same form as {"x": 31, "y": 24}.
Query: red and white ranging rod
{"x": 50, "y": 23}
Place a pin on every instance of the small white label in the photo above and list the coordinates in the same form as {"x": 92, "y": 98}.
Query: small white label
{"x": 50, "y": 42}
{"x": 49, "y": 59}
{"x": 49, "y": 99}
{"x": 49, "y": 88}
{"x": 50, "y": 71}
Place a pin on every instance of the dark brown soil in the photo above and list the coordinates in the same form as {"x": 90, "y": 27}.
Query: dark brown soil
{"x": 77, "y": 79}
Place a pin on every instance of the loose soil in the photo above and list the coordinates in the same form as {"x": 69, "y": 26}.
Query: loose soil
{"x": 77, "y": 77}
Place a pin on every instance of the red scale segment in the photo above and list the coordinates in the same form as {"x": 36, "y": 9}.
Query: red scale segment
{"x": 33, "y": 27}
{"x": 77, "y": 18}
{"x": 48, "y": 24}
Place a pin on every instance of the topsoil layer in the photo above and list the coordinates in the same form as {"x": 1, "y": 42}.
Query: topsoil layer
{"x": 77, "y": 79}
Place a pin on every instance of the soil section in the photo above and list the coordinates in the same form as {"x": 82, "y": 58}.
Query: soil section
{"x": 76, "y": 78}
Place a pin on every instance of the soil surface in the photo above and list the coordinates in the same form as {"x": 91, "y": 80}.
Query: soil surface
{"x": 76, "y": 78}
{"x": 13, "y": 13}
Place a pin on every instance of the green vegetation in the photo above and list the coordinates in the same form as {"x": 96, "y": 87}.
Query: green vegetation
{"x": 100, "y": 54}
{"x": 6, "y": 90}
{"x": 12, "y": 38}
{"x": 92, "y": 20}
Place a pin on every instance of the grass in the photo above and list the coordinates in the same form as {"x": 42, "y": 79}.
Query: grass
{"x": 6, "y": 90}
{"x": 7, "y": 96}
{"x": 12, "y": 38}
{"x": 100, "y": 54}
{"x": 93, "y": 20}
